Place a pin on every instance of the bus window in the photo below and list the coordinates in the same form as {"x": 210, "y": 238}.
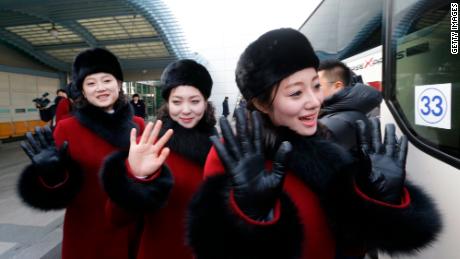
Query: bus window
{"x": 425, "y": 88}
{"x": 343, "y": 28}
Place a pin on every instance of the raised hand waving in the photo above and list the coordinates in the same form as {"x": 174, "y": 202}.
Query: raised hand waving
{"x": 42, "y": 150}
{"x": 148, "y": 155}
{"x": 255, "y": 188}
{"x": 386, "y": 179}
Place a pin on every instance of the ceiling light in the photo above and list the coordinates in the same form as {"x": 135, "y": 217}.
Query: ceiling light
{"x": 53, "y": 31}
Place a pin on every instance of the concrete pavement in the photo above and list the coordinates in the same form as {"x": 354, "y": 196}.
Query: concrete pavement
{"x": 25, "y": 233}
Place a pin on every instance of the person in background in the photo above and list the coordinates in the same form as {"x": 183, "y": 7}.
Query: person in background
{"x": 344, "y": 102}
{"x": 64, "y": 108}
{"x": 225, "y": 109}
{"x": 48, "y": 114}
{"x": 148, "y": 181}
{"x": 241, "y": 104}
{"x": 64, "y": 173}
{"x": 138, "y": 106}
{"x": 278, "y": 189}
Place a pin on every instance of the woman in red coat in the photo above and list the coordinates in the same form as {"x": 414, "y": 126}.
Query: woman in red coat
{"x": 64, "y": 108}
{"x": 133, "y": 181}
{"x": 289, "y": 193}
{"x": 65, "y": 175}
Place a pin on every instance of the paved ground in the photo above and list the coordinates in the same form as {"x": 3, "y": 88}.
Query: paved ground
{"x": 25, "y": 233}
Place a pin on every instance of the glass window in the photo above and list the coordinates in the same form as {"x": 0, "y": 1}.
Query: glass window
{"x": 427, "y": 76}
{"x": 343, "y": 28}
{"x": 20, "y": 110}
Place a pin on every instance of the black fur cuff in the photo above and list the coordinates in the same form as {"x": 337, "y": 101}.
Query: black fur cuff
{"x": 215, "y": 231}
{"x": 393, "y": 230}
{"x": 130, "y": 194}
{"x": 55, "y": 191}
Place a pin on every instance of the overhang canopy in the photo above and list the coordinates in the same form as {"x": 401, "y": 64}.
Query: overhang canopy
{"x": 142, "y": 33}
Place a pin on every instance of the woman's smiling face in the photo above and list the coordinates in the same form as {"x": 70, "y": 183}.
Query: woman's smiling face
{"x": 297, "y": 102}
{"x": 186, "y": 105}
{"x": 101, "y": 90}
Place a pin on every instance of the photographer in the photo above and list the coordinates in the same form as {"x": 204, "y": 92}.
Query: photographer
{"x": 48, "y": 113}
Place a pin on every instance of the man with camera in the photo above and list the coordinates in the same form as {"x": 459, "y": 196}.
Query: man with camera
{"x": 48, "y": 113}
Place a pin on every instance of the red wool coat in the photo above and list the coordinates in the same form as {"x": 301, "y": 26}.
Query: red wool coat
{"x": 164, "y": 233}
{"x": 321, "y": 243}
{"x": 63, "y": 109}
{"x": 320, "y": 214}
{"x": 163, "y": 199}
{"x": 87, "y": 233}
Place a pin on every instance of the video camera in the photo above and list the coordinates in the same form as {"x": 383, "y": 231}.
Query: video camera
{"x": 42, "y": 101}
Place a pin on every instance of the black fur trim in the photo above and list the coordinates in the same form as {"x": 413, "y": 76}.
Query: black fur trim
{"x": 114, "y": 127}
{"x": 328, "y": 170}
{"x": 215, "y": 231}
{"x": 362, "y": 223}
{"x": 130, "y": 194}
{"x": 313, "y": 159}
{"x": 33, "y": 193}
{"x": 193, "y": 143}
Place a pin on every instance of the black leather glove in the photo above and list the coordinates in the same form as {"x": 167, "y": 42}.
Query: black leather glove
{"x": 42, "y": 150}
{"x": 385, "y": 163}
{"x": 255, "y": 189}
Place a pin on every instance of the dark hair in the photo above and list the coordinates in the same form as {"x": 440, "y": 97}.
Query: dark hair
{"x": 135, "y": 95}
{"x": 122, "y": 100}
{"x": 208, "y": 117}
{"x": 265, "y": 98}
{"x": 60, "y": 91}
{"x": 336, "y": 70}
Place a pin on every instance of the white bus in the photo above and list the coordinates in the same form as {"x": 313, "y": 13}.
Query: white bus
{"x": 404, "y": 47}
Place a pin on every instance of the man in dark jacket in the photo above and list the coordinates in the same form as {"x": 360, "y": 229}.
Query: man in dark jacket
{"x": 225, "y": 109}
{"x": 138, "y": 106}
{"x": 49, "y": 113}
{"x": 344, "y": 102}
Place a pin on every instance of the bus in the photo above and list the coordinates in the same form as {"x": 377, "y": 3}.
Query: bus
{"x": 409, "y": 50}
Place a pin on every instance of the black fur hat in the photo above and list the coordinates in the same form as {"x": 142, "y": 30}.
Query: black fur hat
{"x": 271, "y": 58}
{"x": 186, "y": 72}
{"x": 92, "y": 61}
